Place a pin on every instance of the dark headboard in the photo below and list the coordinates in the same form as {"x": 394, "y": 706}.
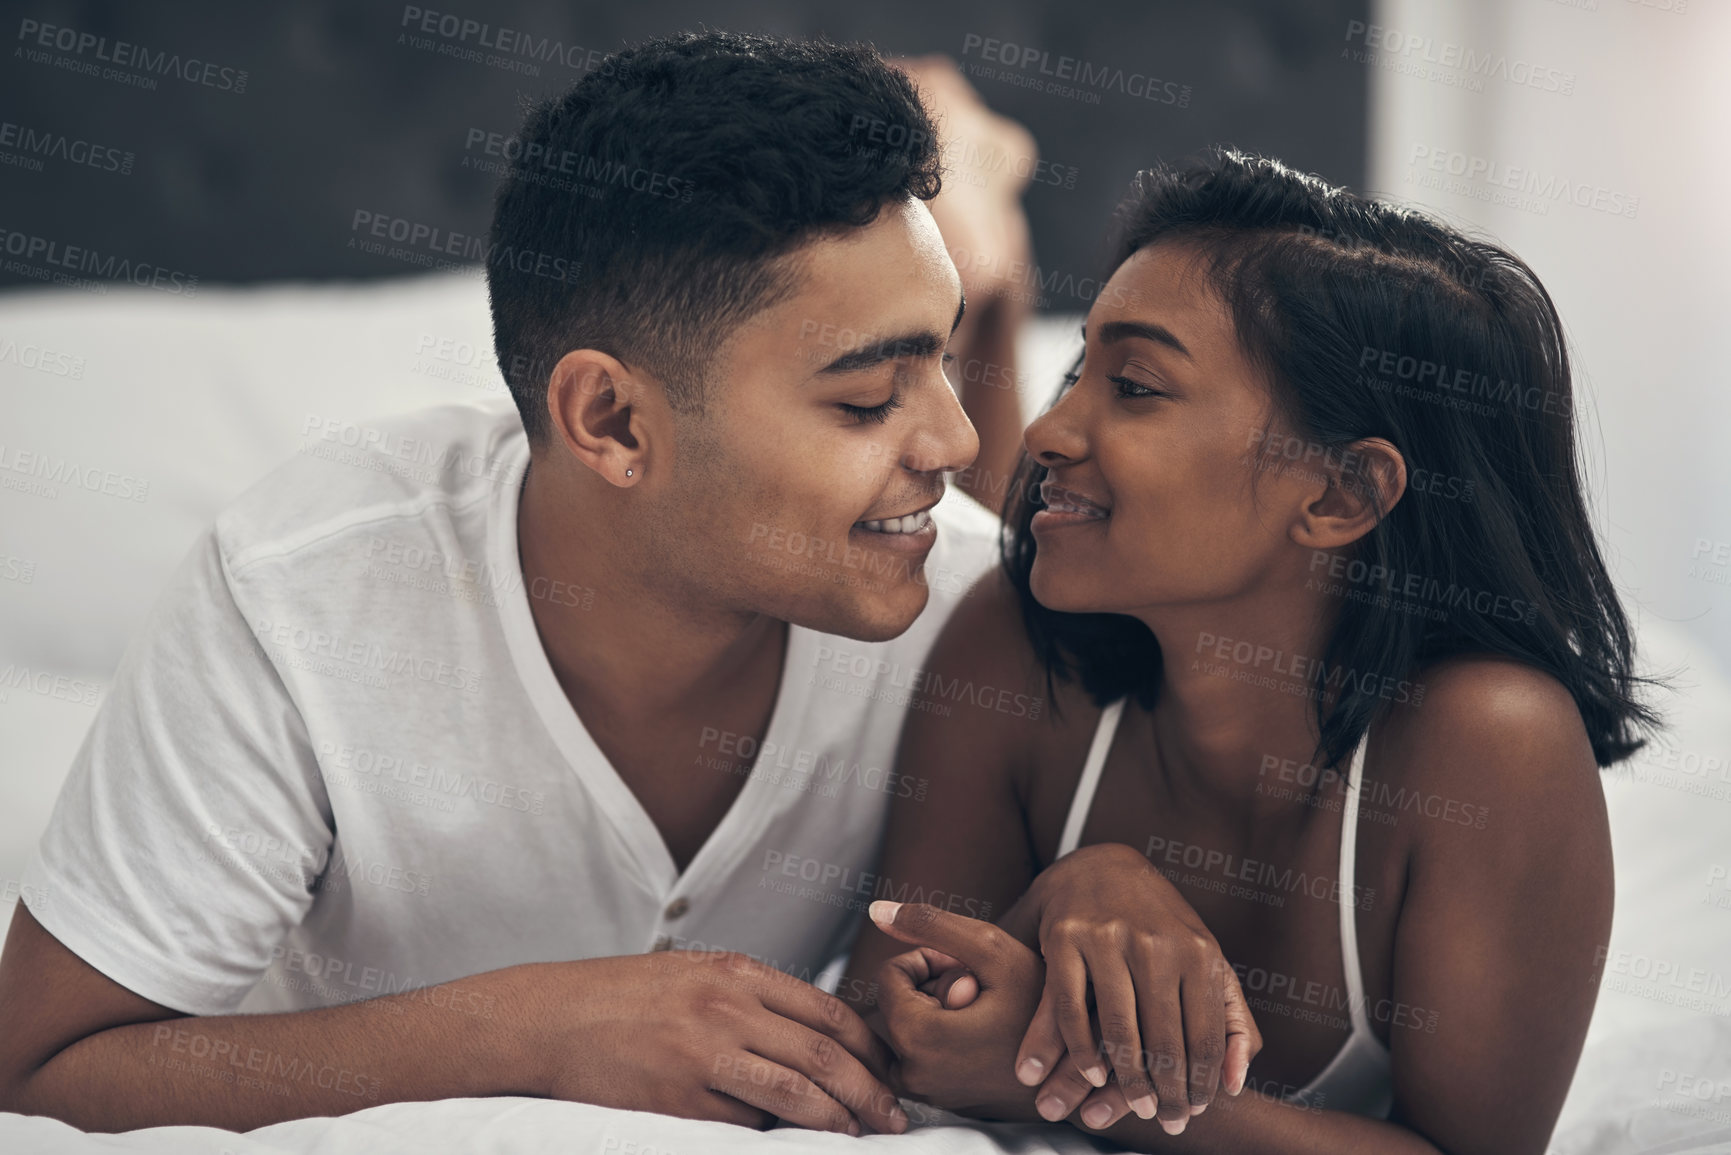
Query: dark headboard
{"x": 146, "y": 143}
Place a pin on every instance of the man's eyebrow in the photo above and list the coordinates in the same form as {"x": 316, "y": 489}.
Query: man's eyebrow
{"x": 1124, "y": 330}
{"x": 888, "y": 349}
{"x": 891, "y": 348}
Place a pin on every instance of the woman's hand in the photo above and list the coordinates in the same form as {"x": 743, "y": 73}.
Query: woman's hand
{"x": 954, "y": 1015}
{"x": 957, "y": 1059}
{"x": 1173, "y": 1021}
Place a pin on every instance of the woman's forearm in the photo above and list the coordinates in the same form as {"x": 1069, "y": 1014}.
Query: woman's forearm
{"x": 1022, "y": 920}
{"x": 1252, "y": 1123}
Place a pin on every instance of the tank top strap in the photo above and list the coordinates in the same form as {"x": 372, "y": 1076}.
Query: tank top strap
{"x": 1349, "y": 891}
{"x": 1090, "y": 781}
{"x": 1089, "y": 784}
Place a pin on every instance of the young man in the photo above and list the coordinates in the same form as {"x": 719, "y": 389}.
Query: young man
{"x": 425, "y": 769}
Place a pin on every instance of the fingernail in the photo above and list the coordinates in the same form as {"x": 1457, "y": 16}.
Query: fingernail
{"x": 1197, "y": 1109}
{"x": 1143, "y": 1106}
{"x": 883, "y": 913}
{"x": 1097, "y": 1116}
{"x": 1030, "y": 1071}
{"x": 1051, "y": 1108}
{"x": 1095, "y": 1075}
{"x": 1175, "y": 1126}
{"x": 853, "y": 1128}
{"x": 899, "y": 1120}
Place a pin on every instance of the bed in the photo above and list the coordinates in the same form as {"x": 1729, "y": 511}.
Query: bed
{"x": 177, "y": 403}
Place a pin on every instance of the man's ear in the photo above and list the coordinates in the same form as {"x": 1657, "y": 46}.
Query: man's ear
{"x": 1357, "y": 487}
{"x": 597, "y": 408}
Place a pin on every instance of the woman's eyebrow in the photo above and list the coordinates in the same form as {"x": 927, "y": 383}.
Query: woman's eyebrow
{"x": 1124, "y": 330}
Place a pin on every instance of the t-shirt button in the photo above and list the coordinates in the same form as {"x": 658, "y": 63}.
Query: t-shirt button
{"x": 677, "y": 908}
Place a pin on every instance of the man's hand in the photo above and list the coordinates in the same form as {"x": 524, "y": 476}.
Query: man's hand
{"x": 702, "y": 1035}
{"x": 714, "y": 1035}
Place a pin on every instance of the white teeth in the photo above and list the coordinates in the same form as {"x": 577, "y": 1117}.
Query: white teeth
{"x": 1066, "y": 507}
{"x": 910, "y": 523}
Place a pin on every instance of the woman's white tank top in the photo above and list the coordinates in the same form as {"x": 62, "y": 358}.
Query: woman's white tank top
{"x": 1359, "y": 1079}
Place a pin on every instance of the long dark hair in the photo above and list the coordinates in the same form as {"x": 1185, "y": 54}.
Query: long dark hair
{"x": 1370, "y": 320}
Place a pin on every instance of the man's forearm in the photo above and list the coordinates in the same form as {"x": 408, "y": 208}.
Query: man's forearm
{"x": 469, "y": 1037}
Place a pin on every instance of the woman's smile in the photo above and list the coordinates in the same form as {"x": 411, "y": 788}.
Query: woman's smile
{"x": 1065, "y": 507}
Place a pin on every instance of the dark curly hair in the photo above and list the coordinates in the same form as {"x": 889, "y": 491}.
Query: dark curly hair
{"x": 1369, "y": 320}
{"x": 647, "y": 210}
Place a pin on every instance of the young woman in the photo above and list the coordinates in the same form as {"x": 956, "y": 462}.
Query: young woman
{"x": 1301, "y": 562}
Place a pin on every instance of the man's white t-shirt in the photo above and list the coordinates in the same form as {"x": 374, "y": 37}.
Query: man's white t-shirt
{"x": 337, "y": 763}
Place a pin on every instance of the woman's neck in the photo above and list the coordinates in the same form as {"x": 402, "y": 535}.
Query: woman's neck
{"x": 1236, "y": 711}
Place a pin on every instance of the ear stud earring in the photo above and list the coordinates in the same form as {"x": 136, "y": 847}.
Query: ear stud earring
{"x": 627, "y": 473}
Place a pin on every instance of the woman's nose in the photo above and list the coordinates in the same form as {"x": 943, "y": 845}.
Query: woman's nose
{"x": 1055, "y": 438}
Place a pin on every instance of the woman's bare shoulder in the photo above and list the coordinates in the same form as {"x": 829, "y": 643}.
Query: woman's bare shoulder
{"x": 1490, "y": 742}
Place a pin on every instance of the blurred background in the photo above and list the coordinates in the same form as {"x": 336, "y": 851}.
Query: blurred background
{"x": 182, "y": 294}
{"x": 357, "y": 106}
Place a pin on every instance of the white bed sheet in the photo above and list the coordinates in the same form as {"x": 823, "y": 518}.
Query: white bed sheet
{"x": 1629, "y": 1096}
{"x": 540, "y": 1127}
